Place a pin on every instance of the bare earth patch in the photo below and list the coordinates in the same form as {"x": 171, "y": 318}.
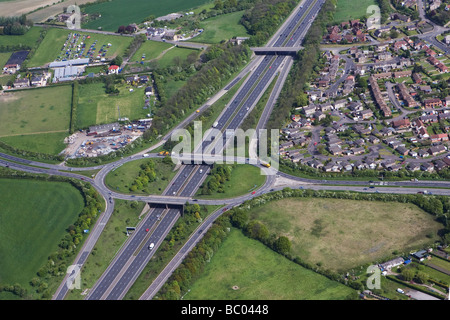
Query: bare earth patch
{"x": 19, "y": 7}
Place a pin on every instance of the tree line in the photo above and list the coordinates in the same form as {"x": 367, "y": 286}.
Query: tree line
{"x": 15, "y": 25}
{"x": 263, "y": 19}
{"x": 74, "y": 107}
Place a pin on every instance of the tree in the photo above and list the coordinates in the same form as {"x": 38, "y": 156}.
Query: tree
{"x": 422, "y": 277}
{"x": 239, "y": 218}
{"x": 257, "y": 230}
{"x": 117, "y": 61}
{"x": 407, "y": 274}
{"x": 283, "y": 245}
{"x": 302, "y": 99}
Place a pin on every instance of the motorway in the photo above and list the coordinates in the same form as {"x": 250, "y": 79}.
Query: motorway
{"x": 135, "y": 254}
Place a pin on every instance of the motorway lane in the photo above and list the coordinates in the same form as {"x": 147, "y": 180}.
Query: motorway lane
{"x": 138, "y": 261}
{"x": 126, "y": 253}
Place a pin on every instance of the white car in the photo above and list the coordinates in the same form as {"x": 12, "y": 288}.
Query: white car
{"x": 151, "y": 246}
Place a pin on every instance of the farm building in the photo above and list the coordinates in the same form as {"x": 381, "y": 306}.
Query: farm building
{"x": 392, "y": 263}
{"x": 15, "y": 61}
{"x": 69, "y": 69}
{"x": 104, "y": 129}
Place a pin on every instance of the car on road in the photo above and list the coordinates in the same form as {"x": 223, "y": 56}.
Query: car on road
{"x": 146, "y": 230}
{"x": 151, "y": 246}
{"x": 253, "y": 192}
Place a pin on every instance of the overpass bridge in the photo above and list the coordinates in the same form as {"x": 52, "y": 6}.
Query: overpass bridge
{"x": 278, "y": 51}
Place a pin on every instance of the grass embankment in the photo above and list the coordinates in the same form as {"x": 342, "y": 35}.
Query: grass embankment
{"x": 265, "y": 275}
{"x": 222, "y": 27}
{"x": 123, "y": 177}
{"x": 341, "y": 234}
{"x": 151, "y": 50}
{"x": 34, "y": 218}
{"x": 244, "y": 178}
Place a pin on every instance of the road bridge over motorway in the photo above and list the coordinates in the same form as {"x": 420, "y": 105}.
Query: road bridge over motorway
{"x": 278, "y": 51}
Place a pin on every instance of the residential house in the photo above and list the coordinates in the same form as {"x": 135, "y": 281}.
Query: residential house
{"x": 413, "y": 166}
{"x": 426, "y": 166}
{"x": 436, "y": 150}
{"x": 340, "y": 104}
{"x": 309, "y": 110}
{"x": 113, "y": 69}
{"x": 432, "y": 103}
{"x": 22, "y": 83}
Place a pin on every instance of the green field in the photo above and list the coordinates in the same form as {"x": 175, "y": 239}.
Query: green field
{"x": 223, "y": 27}
{"x": 342, "y": 234}
{"x": 119, "y": 12}
{"x": 50, "y": 48}
{"x": 151, "y": 50}
{"x": 4, "y": 56}
{"x": 349, "y": 9}
{"x": 260, "y": 274}
{"x": 43, "y": 110}
{"x": 167, "y": 59}
{"x": 28, "y": 39}
{"x": 244, "y": 179}
{"x": 122, "y": 178}
{"x": 34, "y": 218}
{"x": 97, "y": 107}
{"x": 48, "y": 143}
